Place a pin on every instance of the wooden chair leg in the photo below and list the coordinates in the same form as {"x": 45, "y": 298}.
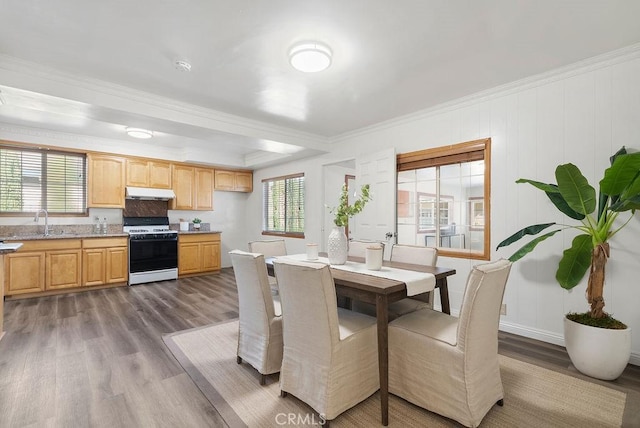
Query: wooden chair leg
{"x": 238, "y": 360}
{"x": 283, "y": 393}
{"x": 263, "y": 379}
{"x": 500, "y": 402}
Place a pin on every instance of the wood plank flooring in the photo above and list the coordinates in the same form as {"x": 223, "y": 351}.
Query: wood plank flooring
{"x": 97, "y": 358}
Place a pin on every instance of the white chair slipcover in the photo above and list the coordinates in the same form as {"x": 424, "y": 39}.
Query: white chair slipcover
{"x": 269, "y": 248}
{"x": 330, "y": 356}
{"x": 449, "y": 365}
{"x": 260, "y": 331}
{"x": 358, "y": 248}
{"x": 412, "y": 254}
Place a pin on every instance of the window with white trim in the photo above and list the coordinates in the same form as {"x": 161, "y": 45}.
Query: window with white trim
{"x": 283, "y": 206}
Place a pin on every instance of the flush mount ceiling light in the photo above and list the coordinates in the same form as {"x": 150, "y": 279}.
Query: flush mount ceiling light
{"x": 139, "y": 132}
{"x": 310, "y": 57}
{"x": 182, "y": 65}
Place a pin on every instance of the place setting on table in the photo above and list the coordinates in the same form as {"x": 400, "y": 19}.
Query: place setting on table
{"x": 416, "y": 282}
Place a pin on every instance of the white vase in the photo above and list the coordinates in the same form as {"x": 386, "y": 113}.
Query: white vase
{"x": 597, "y": 352}
{"x": 337, "y": 246}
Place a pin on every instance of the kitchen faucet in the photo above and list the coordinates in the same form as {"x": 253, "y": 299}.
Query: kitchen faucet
{"x": 46, "y": 220}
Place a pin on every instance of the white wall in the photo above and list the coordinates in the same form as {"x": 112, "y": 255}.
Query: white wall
{"x": 582, "y": 115}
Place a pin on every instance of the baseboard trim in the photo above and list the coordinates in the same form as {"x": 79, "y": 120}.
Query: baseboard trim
{"x": 548, "y": 337}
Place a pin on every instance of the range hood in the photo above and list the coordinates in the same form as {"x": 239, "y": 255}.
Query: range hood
{"x": 146, "y": 193}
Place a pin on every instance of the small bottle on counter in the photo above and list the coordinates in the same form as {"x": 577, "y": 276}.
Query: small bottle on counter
{"x": 97, "y": 227}
{"x": 104, "y": 226}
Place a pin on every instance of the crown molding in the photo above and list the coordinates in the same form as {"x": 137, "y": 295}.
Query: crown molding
{"x": 35, "y": 136}
{"x": 581, "y": 67}
{"x": 55, "y": 76}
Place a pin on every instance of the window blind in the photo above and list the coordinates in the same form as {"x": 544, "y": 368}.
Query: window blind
{"x": 34, "y": 179}
{"x": 283, "y": 205}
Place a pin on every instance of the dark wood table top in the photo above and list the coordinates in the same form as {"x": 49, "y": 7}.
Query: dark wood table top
{"x": 376, "y": 284}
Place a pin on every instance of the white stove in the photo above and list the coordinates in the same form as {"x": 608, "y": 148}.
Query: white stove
{"x": 153, "y": 249}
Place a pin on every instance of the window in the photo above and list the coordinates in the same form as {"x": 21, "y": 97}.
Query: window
{"x": 34, "y": 179}
{"x": 448, "y": 187}
{"x": 283, "y": 206}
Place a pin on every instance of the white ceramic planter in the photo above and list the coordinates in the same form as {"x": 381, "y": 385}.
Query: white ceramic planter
{"x": 337, "y": 246}
{"x": 597, "y": 352}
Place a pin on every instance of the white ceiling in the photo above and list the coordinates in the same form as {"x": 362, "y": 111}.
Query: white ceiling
{"x": 81, "y": 70}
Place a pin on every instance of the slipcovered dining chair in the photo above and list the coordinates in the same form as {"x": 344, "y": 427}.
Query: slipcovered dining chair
{"x": 330, "y": 356}
{"x": 449, "y": 365}
{"x": 413, "y": 254}
{"x": 269, "y": 248}
{"x": 358, "y": 248}
{"x": 260, "y": 331}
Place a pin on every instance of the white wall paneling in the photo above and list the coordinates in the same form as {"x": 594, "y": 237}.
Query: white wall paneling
{"x": 581, "y": 116}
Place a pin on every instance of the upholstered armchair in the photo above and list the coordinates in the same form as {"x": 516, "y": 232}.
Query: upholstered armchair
{"x": 450, "y": 365}
{"x": 330, "y": 356}
{"x": 260, "y": 331}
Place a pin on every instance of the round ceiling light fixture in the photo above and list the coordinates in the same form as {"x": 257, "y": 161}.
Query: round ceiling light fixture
{"x": 310, "y": 57}
{"x": 139, "y": 132}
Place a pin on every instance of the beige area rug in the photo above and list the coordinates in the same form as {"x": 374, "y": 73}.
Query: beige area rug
{"x": 534, "y": 396}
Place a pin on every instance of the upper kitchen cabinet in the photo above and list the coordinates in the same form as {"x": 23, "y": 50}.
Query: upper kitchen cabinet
{"x": 147, "y": 173}
{"x": 106, "y": 182}
{"x": 193, "y": 187}
{"x": 234, "y": 181}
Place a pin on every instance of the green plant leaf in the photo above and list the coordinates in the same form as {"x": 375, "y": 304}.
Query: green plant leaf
{"x": 626, "y": 204}
{"x": 575, "y": 262}
{"x": 551, "y": 188}
{"x": 529, "y": 230}
{"x": 575, "y": 189}
{"x": 621, "y": 174}
{"x": 621, "y": 151}
{"x": 527, "y": 248}
{"x": 562, "y": 205}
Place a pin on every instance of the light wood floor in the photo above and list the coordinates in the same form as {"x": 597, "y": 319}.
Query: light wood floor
{"x": 97, "y": 358}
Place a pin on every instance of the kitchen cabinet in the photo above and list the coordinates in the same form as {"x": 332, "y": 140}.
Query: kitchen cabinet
{"x": 148, "y": 173}
{"x": 193, "y": 187}
{"x": 233, "y": 181}
{"x": 63, "y": 268}
{"x": 104, "y": 261}
{"x": 65, "y": 264}
{"x": 24, "y": 272}
{"x": 106, "y": 181}
{"x": 198, "y": 253}
{"x": 43, "y": 266}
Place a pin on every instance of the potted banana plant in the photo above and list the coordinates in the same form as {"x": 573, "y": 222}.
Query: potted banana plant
{"x": 598, "y": 344}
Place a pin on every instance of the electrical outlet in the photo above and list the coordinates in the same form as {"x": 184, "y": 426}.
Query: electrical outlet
{"x": 503, "y": 309}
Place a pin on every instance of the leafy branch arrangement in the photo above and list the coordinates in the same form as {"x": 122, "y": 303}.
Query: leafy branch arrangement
{"x": 343, "y": 211}
{"x": 576, "y": 198}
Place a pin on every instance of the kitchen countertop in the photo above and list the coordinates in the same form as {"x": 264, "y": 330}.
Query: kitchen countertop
{"x": 40, "y": 236}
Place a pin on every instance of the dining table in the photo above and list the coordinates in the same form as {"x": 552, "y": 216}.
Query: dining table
{"x": 381, "y": 291}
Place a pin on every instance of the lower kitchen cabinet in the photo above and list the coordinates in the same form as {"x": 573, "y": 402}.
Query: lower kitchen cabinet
{"x": 43, "y": 265}
{"x": 63, "y": 269}
{"x": 198, "y": 253}
{"x": 104, "y": 261}
{"x": 65, "y": 264}
{"x": 24, "y": 272}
